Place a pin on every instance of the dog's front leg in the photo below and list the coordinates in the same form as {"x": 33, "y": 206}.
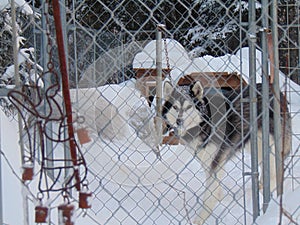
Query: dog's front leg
{"x": 212, "y": 195}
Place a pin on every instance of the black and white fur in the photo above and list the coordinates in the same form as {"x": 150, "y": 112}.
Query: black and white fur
{"x": 187, "y": 112}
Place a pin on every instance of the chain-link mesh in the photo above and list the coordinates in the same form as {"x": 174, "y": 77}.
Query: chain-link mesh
{"x": 198, "y": 169}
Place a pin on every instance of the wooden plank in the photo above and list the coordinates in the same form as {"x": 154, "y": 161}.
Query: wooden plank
{"x": 213, "y": 79}
{"x": 149, "y": 72}
{"x": 171, "y": 139}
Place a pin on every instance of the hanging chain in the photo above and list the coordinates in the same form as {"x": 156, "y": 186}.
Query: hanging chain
{"x": 166, "y": 53}
{"x": 50, "y": 64}
{"x": 167, "y": 57}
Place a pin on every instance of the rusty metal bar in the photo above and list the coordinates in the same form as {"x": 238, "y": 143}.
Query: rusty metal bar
{"x": 65, "y": 87}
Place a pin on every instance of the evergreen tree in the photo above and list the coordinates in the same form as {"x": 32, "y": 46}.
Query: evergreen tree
{"x": 29, "y": 71}
{"x": 216, "y": 28}
{"x": 138, "y": 19}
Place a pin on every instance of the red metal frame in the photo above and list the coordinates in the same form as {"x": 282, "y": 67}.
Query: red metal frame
{"x": 65, "y": 87}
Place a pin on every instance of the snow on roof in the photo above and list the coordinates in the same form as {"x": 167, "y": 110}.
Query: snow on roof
{"x": 181, "y": 64}
{"x": 176, "y": 53}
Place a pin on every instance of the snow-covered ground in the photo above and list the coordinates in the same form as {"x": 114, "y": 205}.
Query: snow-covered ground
{"x": 130, "y": 185}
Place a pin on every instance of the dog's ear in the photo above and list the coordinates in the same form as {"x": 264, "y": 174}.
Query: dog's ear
{"x": 197, "y": 90}
{"x": 168, "y": 88}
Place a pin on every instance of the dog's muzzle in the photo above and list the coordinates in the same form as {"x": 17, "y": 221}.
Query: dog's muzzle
{"x": 178, "y": 131}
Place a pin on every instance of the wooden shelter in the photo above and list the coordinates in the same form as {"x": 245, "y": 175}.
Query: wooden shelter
{"x": 214, "y": 79}
{"x": 146, "y": 83}
{"x": 146, "y": 80}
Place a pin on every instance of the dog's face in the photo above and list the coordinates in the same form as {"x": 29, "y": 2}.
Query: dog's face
{"x": 181, "y": 108}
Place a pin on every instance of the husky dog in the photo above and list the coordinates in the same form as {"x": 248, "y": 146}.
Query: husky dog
{"x": 188, "y": 113}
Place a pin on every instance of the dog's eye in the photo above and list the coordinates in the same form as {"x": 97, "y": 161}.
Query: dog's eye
{"x": 202, "y": 108}
{"x": 175, "y": 107}
{"x": 188, "y": 107}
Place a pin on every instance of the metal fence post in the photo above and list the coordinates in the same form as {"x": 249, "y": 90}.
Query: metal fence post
{"x": 265, "y": 108}
{"x": 276, "y": 88}
{"x": 160, "y": 27}
{"x": 18, "y": 87}
{"x": 298, "y": 15}
{"x": 253, "y": 108}
{"x": 1, "y": 199}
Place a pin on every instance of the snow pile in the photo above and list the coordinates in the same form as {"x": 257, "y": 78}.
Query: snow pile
{"x": 176, "y": 55}
{"x": 106, "y": 111}
{"x": 291, "y": 207}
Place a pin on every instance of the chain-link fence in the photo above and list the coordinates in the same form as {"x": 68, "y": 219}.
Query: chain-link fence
{"x": 150, "y": 120}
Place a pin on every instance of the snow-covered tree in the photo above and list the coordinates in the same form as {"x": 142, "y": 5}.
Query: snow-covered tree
{"x": 29, "y": 70}
{"x": 203, "y": 27}
{"x": 27, "y": 67}
{"x": 217, "y": 27}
